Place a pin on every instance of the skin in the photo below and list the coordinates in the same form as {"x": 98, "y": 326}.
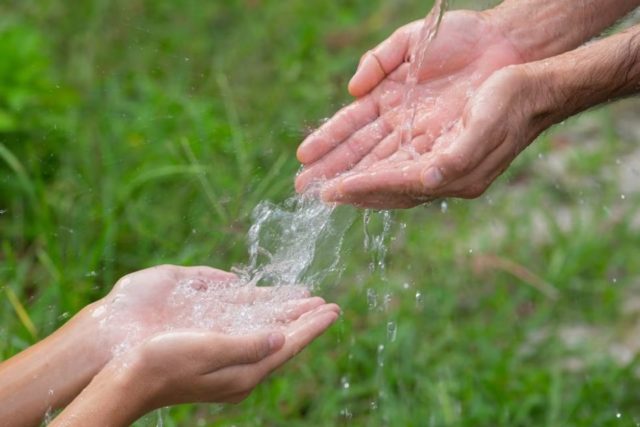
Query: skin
{"x": 51, "y": 373}
{"x": 471, "y": 98}
{"x": 189, "y": 366}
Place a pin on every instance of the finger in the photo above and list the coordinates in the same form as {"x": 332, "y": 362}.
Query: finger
{"x": 255, "y": 294}
{"x": 292, "y": 310}
{"x": 243, "y": 378}
{"x": 382, "y": 201}
{"x": 383, "y": 150}
{"x": 392, "y": 148}
{"x": 206, "y": 273}
{"x": 226, "y": 350}
{"x": 422, "y": 179}
{"x": 379, "y": 62}
{"x": 345, "y": 155}
{"x": 304, "y": 330}
{"x": 400, "y": 178}
{"x": 475, "y": 183}
{"x": 342, "y": 125}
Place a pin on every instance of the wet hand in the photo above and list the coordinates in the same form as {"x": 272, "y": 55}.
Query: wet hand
{"x": 167, "y": 297}
{"x": 362, "y": 136}
{"x": 505, "y": 115}
{"x": 191, "y": 366}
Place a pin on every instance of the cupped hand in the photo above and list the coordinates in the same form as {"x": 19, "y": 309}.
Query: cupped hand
{"x": 468, "y": 48}
{"x": 189, "y": 365}
{"x": 168, "y": 297}
{"x": 197, "y": 366}
{"x": 503, "y": 117}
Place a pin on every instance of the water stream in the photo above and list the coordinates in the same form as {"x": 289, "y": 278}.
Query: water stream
{"x": 417, "y": 58}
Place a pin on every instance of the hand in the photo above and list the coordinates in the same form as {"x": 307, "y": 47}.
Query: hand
{"x": 467, "y": 50}
{"x": 505, "y": 115}
{"x": 190, "y": 366}
{"x": 141, "y": 305}
{"x": 167, "y": 297}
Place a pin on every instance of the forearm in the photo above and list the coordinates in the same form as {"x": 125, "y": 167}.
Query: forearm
{"x": 593, "y": 74}
{"x": 114, "y": 398}
{"x": 49, "y": 374}
{"x": 543, "y": 28}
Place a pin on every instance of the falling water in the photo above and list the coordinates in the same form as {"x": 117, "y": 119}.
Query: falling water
{"x": 417, "y": 58}
{"x": 376, "y": 244}
{"x": 285, "y": 240}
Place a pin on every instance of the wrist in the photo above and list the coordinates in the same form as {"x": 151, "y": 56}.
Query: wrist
{"x": 52, "y": 372}
{"x": 514, "y": 22}
{"x": 95, "y": 342}
{"x": 593, "y": 74}
{"x": 115, "y": 397}
{"x": 559, "y": 25}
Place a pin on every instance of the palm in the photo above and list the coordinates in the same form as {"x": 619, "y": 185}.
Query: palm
{"x": 165, "y": 298}
{"x": 369, "y": 133}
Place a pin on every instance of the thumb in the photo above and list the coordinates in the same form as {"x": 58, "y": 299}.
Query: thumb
{"x": 246, "y": 349}
{"x": 376, "y": 64}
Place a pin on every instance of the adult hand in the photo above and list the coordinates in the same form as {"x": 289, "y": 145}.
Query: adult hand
{"x": 467, "y": 50}
{"x": 500, "y": 120}
{"x": 190, "y": 366}
{"x": 387, "y": 169}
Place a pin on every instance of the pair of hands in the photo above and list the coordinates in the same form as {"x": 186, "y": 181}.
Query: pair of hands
{"x": 489, "y": 85}
{"x": 162, "y": 336}
{"x": 461, "y": 140}
{"x": 192, "y": 364}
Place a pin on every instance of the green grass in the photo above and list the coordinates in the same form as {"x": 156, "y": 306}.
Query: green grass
{"x": 144, "y": 132}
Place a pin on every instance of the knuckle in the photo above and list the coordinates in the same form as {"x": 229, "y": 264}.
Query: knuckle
{"x": 255, "y": 351}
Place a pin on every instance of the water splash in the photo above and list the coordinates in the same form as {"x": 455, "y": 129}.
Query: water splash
{"x": 286, "y": 240}
{"x": 376, "y": 243}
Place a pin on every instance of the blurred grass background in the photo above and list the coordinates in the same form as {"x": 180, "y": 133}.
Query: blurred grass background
{"x": 144, "y": 132}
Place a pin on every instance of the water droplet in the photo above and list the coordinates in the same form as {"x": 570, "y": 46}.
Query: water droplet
{"x": 344, "y": 383}
{"x": 388, "y": 298}
{"x": 380, "y": 355}
{"x": 392, "y": 331}
{"x": 346, "y": 413}
{"x": 372, "y": 299}
{"x": 419, "y": 300}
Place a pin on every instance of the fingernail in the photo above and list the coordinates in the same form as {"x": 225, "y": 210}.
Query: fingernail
{"x": 432, "y": 178}
{"x": 276, "y": 341}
